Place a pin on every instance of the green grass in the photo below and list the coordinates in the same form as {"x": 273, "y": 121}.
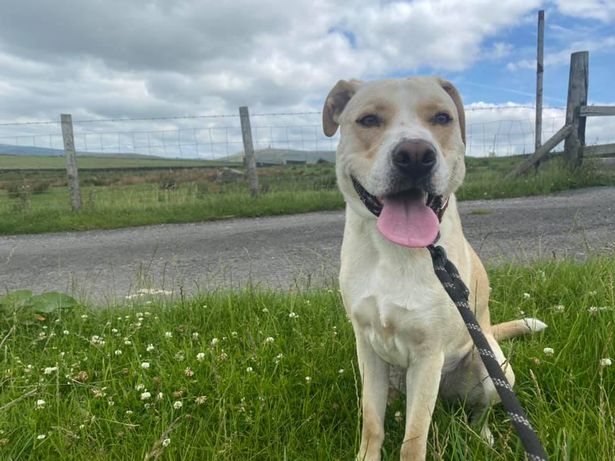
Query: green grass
{"x": 19, "y": 162}
{"x": 38, "y": 201}
{"x": 249, "y": 397}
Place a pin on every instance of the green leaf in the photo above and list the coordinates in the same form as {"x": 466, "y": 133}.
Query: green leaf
{"x": 16, "y": 299}
{"x": 53, "y": 301}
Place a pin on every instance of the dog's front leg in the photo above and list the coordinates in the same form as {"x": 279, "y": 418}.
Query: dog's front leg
{"x": 422, "y": 383}
{"x": 375, "y": 377}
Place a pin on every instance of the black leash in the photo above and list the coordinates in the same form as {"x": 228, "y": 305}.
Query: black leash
{"x": 451, "y": 281}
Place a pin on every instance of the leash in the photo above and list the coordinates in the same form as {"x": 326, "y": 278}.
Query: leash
{"x": 458, "y": 292}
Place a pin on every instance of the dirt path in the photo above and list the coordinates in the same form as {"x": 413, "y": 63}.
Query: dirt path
{"x": 284, "y": 252}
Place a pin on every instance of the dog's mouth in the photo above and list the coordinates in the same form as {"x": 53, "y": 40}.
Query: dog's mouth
{"x": 410, "y": 218}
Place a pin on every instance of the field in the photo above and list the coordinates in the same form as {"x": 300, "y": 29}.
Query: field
{"x": 37, "y": 201}
{"x": 261, "y": 375}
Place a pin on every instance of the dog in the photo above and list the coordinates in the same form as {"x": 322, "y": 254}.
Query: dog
{"x": 399, "y": 161}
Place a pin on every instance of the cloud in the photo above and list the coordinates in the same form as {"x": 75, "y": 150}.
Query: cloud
{"x": 208, "y": 56}
{"x": 601, "y": 10}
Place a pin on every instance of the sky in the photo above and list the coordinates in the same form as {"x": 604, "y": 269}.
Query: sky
{"x": 153, "y": 59}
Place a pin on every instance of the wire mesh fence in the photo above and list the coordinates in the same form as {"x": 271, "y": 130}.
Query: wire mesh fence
{"x": 278, "y": 137}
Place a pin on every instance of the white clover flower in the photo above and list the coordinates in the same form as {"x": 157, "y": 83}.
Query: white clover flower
{"x": 127, "y": 342}
{"x": 340, "y": 371}
{"x": 84, "y": 317}
{"x": 177, "y": 404}
{"x": 200, "y": 356}
{"x": 592, "y": 309}
{"x": 28, "y": 368}
{"x": 278, "y": 358}
{"x": 234, "y": 334}
{"x": 308, "y": 379}
{"x": 114, "y": 331}
{"x": 97, "y": 340}
{"x": 166, "y": 442}
{"x": 214, "y": 341}
{"x": 265, "y": 310}
{"x": 188, "y": 372}
{"x": 168, "y": 334}
{"x": 195, "y": 335}
{"x": 249, "y": 369}
{"x": 180, "y": 357}
{"x": 559, "y": 307}
{"x": 606, "y": 362}
{"x": 150, "y": 348}
{"x": 526, "y": 296}
{"x": 40, "y": 404}
{"x": 139, "y": 387}
{"x": 200, "y": 400}
{"x": 269, "y": 339}
{"x": 548, "y": 351}
{"x": 145, "y": 365}
{"x": 159, "y": 396}
{"x": 118, "y": 352}
{"x": 293, "y": 315}
{"x": 146, "y": 395}
{"x": 129, "y": 412}
{"x": 41, "y": 436}
{"x": 49, "y": 370}
{"x": 66, "y": 332}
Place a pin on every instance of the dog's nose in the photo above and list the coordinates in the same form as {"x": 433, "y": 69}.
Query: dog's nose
{"x": 414, "y": 158}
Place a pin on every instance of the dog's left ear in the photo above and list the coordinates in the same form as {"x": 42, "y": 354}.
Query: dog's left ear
{"x": 454, "y": 94}
{"x": 335, "y": 103}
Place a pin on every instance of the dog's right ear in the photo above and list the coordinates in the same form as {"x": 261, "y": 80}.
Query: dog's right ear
{"x": 336, "y": 102}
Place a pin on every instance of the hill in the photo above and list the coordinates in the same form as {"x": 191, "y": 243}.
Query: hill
{"x": 283, "y": 156}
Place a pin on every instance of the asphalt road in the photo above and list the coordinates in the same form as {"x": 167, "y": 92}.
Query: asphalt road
{"x": 284, "y": 252}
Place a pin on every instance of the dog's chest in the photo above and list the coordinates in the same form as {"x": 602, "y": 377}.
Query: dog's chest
{"x": 402, "y": 315}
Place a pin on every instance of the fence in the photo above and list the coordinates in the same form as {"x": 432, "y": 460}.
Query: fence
{"x": 573, "y": 132}
{"x": 491, "y": 130}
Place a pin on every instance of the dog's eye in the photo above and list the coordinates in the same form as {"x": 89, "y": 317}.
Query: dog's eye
{"x": 442, "y": 118}
{"x": 369, "y": 121}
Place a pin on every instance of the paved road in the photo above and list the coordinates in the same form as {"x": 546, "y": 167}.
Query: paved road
{"x": 284, "y": 252}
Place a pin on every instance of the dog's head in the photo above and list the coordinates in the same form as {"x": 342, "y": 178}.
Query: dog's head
{"x": 400, "y": 153}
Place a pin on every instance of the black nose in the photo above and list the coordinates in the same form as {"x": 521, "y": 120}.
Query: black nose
{"x": 414, "y": 158}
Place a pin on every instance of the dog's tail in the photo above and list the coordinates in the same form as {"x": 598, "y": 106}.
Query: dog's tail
{"x": 507, "y": 330}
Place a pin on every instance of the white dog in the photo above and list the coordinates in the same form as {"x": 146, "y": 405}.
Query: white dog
{"x": 401, "y": 157}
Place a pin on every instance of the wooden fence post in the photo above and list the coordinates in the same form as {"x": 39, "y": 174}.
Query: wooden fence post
{"x": 248, "y": 149}
{"x": 72, "y": 172}
{"x": 577, "y": 97}
{"x": 539, "y": 76}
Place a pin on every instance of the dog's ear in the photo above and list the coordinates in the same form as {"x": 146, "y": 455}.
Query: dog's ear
{"x": 454, "y": 94}
{"x": 335, "y": 103}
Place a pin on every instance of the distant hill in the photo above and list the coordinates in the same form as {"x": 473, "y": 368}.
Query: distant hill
{"x": 283, "y": 156}
{"x": 30, "y": 150}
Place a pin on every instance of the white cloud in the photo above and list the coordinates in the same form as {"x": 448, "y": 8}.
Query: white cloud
{"x": 120, "y": 57}
{"x": 602, "y": 10}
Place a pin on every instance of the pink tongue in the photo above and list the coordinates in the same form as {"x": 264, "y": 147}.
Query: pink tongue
{"x": 408, "y": 222}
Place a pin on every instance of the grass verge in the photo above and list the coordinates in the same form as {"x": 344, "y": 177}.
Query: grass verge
{"x": 39, "y": 202}
{"x": 270, "y": 375}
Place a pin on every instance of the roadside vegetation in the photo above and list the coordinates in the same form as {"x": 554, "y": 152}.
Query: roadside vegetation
{"x": 37, "y": 201}
{"x": 271, "y": 375}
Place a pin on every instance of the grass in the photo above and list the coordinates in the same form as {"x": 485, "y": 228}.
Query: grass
{"x": 38, "y": 201}
{"x": 260, "y": 375}
{"x": 19, "y": 162}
